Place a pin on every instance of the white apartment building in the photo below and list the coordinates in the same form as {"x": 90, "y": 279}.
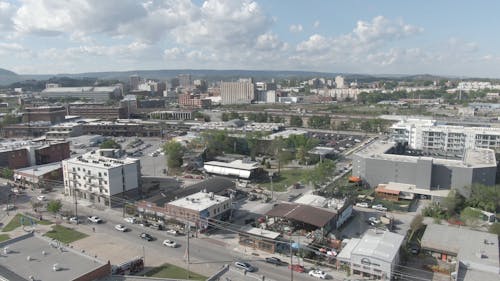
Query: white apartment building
{"x": 339, "y": 82}
{"x": 242, "y": 92}
{"x": 428, "y": 135}
{"x": 97, "y": 176}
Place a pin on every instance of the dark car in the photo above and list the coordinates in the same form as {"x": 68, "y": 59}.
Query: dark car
{"x": 146, "y": 237}
{"x": 156, "y": 226}
{"x": 275, "y": 261}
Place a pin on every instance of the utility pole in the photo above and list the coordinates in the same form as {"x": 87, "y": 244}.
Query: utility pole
{"x": 272, "y": 187}
{"x": 75, "y": 199}
{"x": 187, "y": 248}
{"x": 291, "y": 258}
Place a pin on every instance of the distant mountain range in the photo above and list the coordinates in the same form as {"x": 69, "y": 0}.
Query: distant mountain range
{"x": 8, "y": 77}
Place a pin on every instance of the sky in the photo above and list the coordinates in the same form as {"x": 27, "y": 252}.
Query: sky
{"x": 445, "y": 37}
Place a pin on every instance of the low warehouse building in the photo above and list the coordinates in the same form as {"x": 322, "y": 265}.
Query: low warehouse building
{"x": 375, "y": 255}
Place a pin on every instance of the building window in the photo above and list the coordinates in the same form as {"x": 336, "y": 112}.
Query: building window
{"x": 105, "y": 174}
{"x": 100, "y": 175}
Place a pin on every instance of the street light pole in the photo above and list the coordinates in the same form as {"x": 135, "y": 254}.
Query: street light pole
{"x": 291, "y": 258}
{"x": 272, "y": 187}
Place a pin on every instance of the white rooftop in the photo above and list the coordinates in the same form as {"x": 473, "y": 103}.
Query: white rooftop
{"x": 382, "y": 245}
{"x": 80, "y": 89}
{"x": 285, "y": 134}
{"x": 476, "y": 157}
{"x": 312, "y": 200}
{"x": 95, "y": 159}
{"x": 260, "y": 232}
{"x": 345, "y": 253}
{"x": 236, "y": 164}
{"x": 199, "y": 201}
{"x": 40, "y": 169}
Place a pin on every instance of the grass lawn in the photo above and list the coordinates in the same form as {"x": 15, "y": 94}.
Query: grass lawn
{"x": 64, "y": 234}
{"x": 171, "y": 271}
{"x": 4, "y": 237}
{"x": 286, "y": 179}
{"x": 15, "y": 222}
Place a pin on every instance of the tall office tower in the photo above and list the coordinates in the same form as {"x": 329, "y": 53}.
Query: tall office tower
{"x": 241, "y": 92}
{"x": 339, "y": 82}
{"x": 185, "y": 81}
{"x": 135, "y": 80}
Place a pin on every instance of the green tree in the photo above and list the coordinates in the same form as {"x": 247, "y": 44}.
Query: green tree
{"x": 110, "y": 143}
{"x": 416, "y": 224}
{"x": 486, "y": 198}
{"x": 174, "y": 152}
{"x": 216, "y": 143}
{"x": 319, "y": 122}
{"x": 296, "y": 121}
{"x": 453, "y": 203}
{"x": 321, "y": 172}
{"x": 54, "y": 206}
{"x": 495, "y": 228}
{"x": 252, "y": 140}
{"x": 471, "y": 216}
{"x": 7, "y": 173}
{"x": 9, "y": 119}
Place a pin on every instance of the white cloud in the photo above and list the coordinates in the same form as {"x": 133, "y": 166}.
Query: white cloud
{"x": 295, "y": 28}
{"x": 7, "y": 10}
{"x": 224, "y": 24}
{"x": 269, "y": 41}
{"x": 315, "y": 43}
{"x": 316, "y": 24}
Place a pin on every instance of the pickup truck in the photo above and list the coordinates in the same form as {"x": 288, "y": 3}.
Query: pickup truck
{"x": 95, "y": 219}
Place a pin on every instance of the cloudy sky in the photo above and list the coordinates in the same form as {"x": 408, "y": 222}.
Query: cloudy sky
{"x": 449, "y": 37}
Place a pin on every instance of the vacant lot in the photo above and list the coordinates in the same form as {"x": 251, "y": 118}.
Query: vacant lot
{"x": 286, "y": 179}
{"x": 19, "y": 220}
{"x": 171, "y": 271}
{"x": 64, "y": 234}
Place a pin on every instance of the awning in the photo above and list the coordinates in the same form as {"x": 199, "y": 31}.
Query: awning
{"x": 387, "y": 191}
{"x": 354, "y": 179}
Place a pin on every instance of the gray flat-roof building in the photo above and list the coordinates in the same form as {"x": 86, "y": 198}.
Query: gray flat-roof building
{"x": 34, "y": 257}
{"x": 474, "y": 253}
{"x": 376, "y": 165}
{"x": 92, "y": 93}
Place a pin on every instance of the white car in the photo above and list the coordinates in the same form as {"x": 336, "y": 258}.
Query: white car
{"x": 130, "y": 219}
{"x": 362, "y": 204}
{"x": 9, "y": 207}
{"x": 121, "y": 227}
{"x": 95, "y": 219}
{"x": 41, "y": 197}
{"x": 73, "y": 220}
{"x": 374, "y": 220}
{"x": 169, "y": 243}
{"x": 172, "y": 232}
{"x": 379, "y": 207}
{"x": 317, "y": 273}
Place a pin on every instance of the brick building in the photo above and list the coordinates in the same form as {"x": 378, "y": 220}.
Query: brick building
{"x": 20, "y": 154}
{"x": 52, "y": 114}
{"x": 100, "y": 111}
{"x": 194, "y": 100}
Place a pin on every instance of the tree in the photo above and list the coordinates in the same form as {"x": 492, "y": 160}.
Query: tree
{"x": 416, "y": 224}
{"x": 296, "y": 121}
{"x": 471, "y": 216}
{"x": 9, "y": 119}
{"x": 54, "y": 206}
{"x": 36, "y": 204}
{"x": 110, "y": 143}
{"x": 174, "y": 152}
{"x": 216, "y": 143}
{"x": 453, "y": 203}
{"x": 321, "y": 172}
{"x": 495, "y": 228}
{"x": 7, "y": 173}
{"x": 486, "y": 198}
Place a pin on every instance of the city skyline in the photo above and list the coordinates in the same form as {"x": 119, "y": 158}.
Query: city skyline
{"x": 386, "y": 37}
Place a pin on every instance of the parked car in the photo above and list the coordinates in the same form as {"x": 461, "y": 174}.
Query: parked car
{"x": 130, "y": 219}
{"x": 297, "y": 268}
{"x": 362, "y": 204}
{"x": 244, "y": 265}
{"x": 146, "y": 237}
{"x": 374, "y": 220}
{"x": 169, "y": 243}
{"x": 317, "y": 273}
{"x": 275, "y": 261}
{"x": 41, "y": 198}
{"x": 414, "y": 249}
{"x": 73, "y": 220}
{"x": 379, "y": 207}
{"x": 121, "y": 227}
{"x": 156, "y": 226}
{"x": 9, "y": 207}
{"x": 95, "y": 219}
{"x": 172, "y": 232}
